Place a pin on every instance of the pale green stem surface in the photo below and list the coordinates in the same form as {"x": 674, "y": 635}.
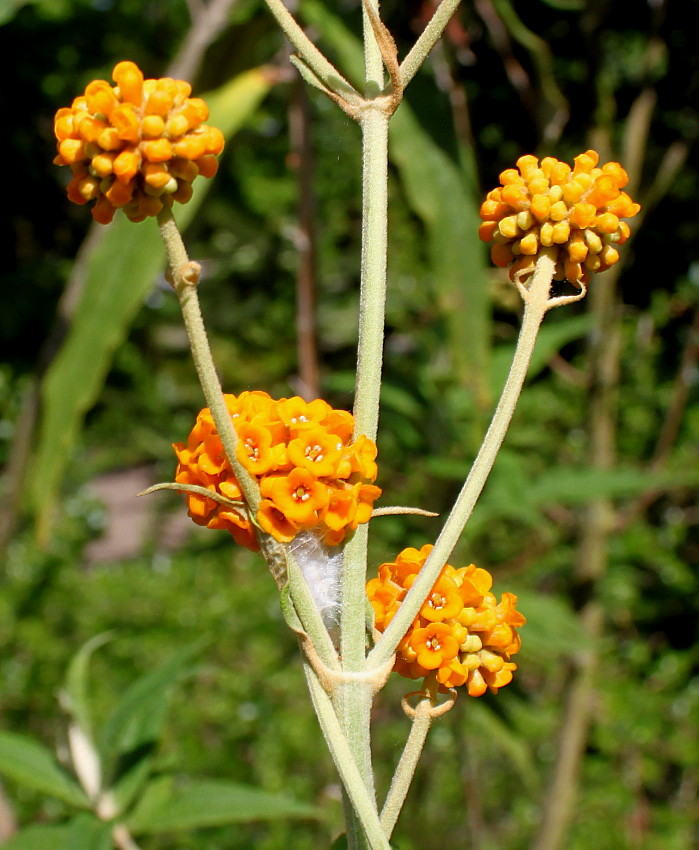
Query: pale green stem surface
{"x": 354, "y": 707}
{"x": 536, "y": 304}
{"x": 201, "y": 354}
{"x": 372, "y": 298}
{"x": 373, "y": 63}
{"x": 206, "y": 371}
{"x": 353, "y": 700}
{"x": 354, "y": 704}
{"x": 310, "y": 54}
{"x": 403, "y": 776}
{"x": 362, "y": 803}
{"x": 427, "y": 40}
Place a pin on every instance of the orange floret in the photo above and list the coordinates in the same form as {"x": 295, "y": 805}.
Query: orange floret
{"x": 294, "y": 450}
{"x": 118, "y": 132}
{"x": 462, "y": 635}
{"x": 551, "y": 205}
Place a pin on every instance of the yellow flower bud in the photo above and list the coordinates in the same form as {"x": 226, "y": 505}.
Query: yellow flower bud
{"x": 576, "y": 212}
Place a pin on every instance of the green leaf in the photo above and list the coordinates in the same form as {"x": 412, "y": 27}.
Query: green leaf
{"x": 512, "y": 494}
{"x": 119, "y": 272}
{"x": 84, "y": 832}
{"x": 201, "y": 802}
{"x": 132, "y": 779}
{"x": 75, "y": 694}
{"x": 137, "y": 720}
{"x": 29, "y": 763}
{"x": 37, "y": 838}
{"x": 88, "y": 833}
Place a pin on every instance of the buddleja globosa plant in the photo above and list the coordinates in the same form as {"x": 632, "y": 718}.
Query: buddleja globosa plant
{"x": 295, "y": 479}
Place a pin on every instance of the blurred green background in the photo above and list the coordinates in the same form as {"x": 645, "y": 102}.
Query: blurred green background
{"x": 590, "y": 516}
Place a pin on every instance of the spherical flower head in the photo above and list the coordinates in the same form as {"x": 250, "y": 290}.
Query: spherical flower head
{"x": 136, "y": 146}
{"x": 462, "y": 635}
{"x": 310, "y": 473}
{"x": 576, "y": 211}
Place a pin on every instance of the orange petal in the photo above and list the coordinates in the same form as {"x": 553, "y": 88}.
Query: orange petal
{"x": 129, "y": 77}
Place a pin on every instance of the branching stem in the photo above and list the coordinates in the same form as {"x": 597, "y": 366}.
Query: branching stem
{"x": 427, "y": 40}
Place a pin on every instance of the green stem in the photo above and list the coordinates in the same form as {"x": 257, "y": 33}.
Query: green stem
{"x": 403, "y": 776}
{"x": 203, "y": 361}
{"x": 372, "y": 298}
{"x": 187, "y": 295}
{"x": 427, "y": 40}
{"x": 354, "y": 703}
{"x": 537, "y": 302}
{"x": 353, "y": 700}
{"x": 362, "y": 803}
{"x": 373, "y": 63}
{"x": 310, "y": 54}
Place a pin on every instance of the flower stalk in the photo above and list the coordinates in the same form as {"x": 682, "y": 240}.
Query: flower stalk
{"x": 427, "y": 40}
{"x": 422, "y": 716}
{"x": 537, "y": 303}
{"x": 185, "y": 279}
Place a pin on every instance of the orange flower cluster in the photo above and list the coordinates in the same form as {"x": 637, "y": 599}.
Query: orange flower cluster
{"x": 136, "y": 146}
{"x": 578, "y": 211}
{"x": 462, "y": 633}
{"x": 310, "y": 473}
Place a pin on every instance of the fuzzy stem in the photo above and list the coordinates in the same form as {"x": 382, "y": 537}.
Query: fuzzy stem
{"x": 201, "y": 354}
{"x": 354, "y": 703}
{"x": 536, "y": 304}
{"x": 353, "y": 700}
{"x": 372, "y": 298}
{"x": 353, "y": 782}
{"x": 373, "y": 63}
{"x": 310, "y": 54}
{"x": 403, "y": 776}
{"x": 354, "y": 709}
{"x": 427, "y": 40}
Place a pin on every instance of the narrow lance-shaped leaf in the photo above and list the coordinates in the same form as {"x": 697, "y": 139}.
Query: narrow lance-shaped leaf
{"x": 76, "y": 689}
{"x": 198, "y": 803}
{"x": 29, "y": 763}
{"x": 129, "y": 738}
{"x": 84, "y": 832}
{"x": 137, "y": 719}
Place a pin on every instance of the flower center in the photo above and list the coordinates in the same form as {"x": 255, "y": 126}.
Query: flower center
{"x": 315, "y": 453}
{"x": 252, "y": 450}
{"x": 437, "y": 601}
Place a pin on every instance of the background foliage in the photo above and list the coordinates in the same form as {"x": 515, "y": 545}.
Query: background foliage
{"x": 509, "y": 78}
